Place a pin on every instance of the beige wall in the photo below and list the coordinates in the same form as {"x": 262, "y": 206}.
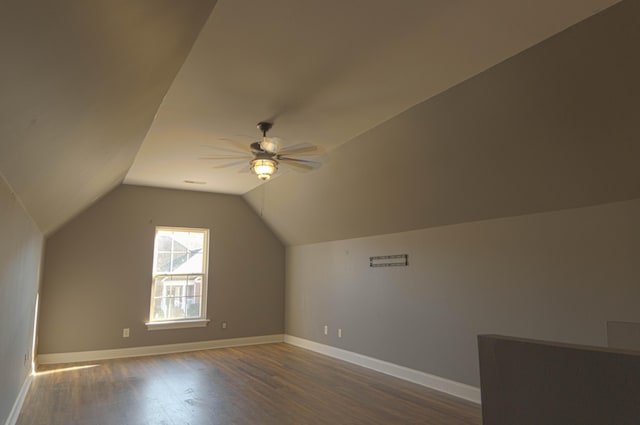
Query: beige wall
{"x": 97, "y": 271}
{"x": 556, "y": 276}
{"x": 20, "y": 256}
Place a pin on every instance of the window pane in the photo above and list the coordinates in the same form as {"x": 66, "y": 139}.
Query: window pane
{"x": 163, "y": 262}
{"x": 176, "y": 308}
{"x": 194, "y": 287}
{"x": 158, "y": 285}
{"x": 179, "y": 252}
{"x": 179, "y": 258}
{"x": 193, "y": 297}
{"x": 193, "y": 307}
{"x": 164, "y": 241}
{"x": 177, "y": 297}
{"x": 158, "y": 309}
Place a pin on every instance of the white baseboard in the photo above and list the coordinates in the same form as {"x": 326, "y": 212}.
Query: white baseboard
{"x": 88, "y": 356}
{"x": 457, "y": 389}
{"x": 17, "y": 405}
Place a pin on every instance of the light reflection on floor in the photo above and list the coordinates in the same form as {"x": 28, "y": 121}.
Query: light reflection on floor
{"x": 65, "y": 369}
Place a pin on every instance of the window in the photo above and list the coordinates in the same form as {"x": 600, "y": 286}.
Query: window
{"x": 179, "y": 286}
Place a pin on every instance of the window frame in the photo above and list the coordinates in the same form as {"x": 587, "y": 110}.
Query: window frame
{"x": 185, "y": 322}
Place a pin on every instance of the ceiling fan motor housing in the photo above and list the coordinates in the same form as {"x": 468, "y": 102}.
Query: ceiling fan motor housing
{"x": 256, "y": 148}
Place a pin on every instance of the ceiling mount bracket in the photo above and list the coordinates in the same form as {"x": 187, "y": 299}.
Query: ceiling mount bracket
{"x": 264, "y": 126}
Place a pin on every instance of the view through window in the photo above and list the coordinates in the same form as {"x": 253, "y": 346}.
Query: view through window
{"x": 179, "y": 285}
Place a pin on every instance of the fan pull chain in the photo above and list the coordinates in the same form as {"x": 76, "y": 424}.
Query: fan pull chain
{"x": 264, "y": 189}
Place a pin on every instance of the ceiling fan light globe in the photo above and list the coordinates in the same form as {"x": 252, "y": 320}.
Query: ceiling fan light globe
{"x": 270, "y": 144}
{"x": 264, "y": 168}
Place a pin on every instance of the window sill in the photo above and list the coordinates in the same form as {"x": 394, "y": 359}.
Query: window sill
{"x": 178, "y": 324}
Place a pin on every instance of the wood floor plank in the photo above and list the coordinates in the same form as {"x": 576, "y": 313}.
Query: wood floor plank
{"x": 269, "y": 384}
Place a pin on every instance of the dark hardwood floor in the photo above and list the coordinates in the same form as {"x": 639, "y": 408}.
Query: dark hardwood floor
{"x": 262, "y": 385}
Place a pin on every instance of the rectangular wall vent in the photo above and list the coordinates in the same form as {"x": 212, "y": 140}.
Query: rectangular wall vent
{"x": 389, "y": 260}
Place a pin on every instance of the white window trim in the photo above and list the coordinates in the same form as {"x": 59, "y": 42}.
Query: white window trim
{"x": 177, "y": 324}
{"x": 186, "y": 323}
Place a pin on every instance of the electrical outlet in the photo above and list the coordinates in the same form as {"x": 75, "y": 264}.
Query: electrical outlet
{"x": 339, "y": 332}
{"x": 125, "y": 333}
{"x": 223, "y": 325}
{"x": 326, "y": 330}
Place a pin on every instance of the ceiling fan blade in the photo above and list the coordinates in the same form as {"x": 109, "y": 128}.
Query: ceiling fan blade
{"x": 244, "y": 150}
{"x": 243, "y": 146}
{"x": 226, "y": 157}
{"x": 298, "y": 149}
{"x": 230, "y": 164}
{"x": 299, "y": 160}
{"x": 300, "y": 164}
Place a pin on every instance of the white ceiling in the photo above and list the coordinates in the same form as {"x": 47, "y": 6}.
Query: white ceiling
{"x": 83, "y": 81}
{"x": 325, "y": 72}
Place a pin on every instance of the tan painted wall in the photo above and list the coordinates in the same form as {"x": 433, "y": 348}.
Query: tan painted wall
{"x": 97, "y": 271}
{"x": 20, "y": 257}
{"x": 554, "y": 276}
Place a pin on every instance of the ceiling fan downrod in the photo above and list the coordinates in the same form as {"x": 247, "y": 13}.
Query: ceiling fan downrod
{"x": 264, "y": 126}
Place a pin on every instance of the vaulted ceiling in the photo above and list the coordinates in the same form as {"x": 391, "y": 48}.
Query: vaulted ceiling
{"x": 81, "y": 83}
{"x": 406, "y": 99}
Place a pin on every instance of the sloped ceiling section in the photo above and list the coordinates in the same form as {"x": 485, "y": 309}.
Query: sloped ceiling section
{"x": 81, "y": 83}
{"x": 554, "y": 127}
{"x": 325, "y": 72}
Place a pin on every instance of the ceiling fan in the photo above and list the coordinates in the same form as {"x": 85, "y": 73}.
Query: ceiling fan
{"x": 266, "y": 155}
